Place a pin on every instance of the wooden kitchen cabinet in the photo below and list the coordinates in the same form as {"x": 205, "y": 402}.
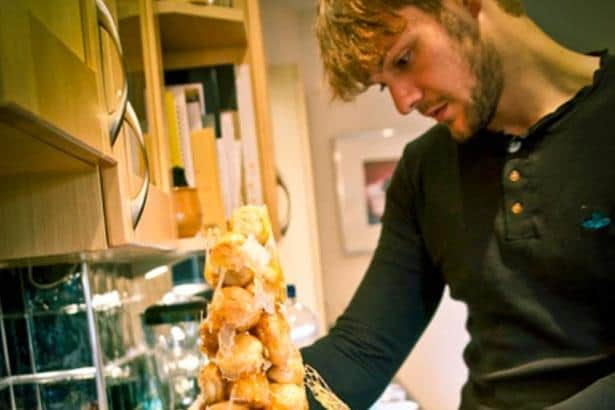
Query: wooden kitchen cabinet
{"x": 51, "y": 213}
{"x": 178, "y": 34}
{"x": 52, "y": 135}
{"x": 67, "y": 187}
{"x": 61, "y": 194}
{"x": 137, "y": 212}
{"x": 156, "y": 35}
{"x": 48, "y": 78}
{"x": 136, "y": 191}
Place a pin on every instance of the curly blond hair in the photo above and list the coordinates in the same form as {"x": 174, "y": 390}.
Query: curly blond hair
{"x": 351, "y": 34}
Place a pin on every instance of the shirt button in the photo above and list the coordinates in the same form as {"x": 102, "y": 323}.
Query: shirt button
{"x": 516, "y": 208}
{"x": 514, "y": 176}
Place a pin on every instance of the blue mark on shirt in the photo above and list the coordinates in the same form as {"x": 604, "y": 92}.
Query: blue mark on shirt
{"x": 597, "y": 221}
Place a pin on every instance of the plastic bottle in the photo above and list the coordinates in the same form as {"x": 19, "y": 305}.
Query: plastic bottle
{"x": 394, "y": 397}
{"x": 304, "y": 329}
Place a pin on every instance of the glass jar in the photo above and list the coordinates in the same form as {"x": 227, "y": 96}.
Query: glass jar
{"x": 171, "y": 330}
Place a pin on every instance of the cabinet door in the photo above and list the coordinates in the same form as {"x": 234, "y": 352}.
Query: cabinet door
{"x": 138, "y": 205}
{"x": 50, "y": 214}
{"x": 46, "y": 69}
{"x": 137, "y": 212}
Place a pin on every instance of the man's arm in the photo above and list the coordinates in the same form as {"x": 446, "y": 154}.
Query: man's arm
{"x": 387, "y": 314}
{"x": 600, "y": 395}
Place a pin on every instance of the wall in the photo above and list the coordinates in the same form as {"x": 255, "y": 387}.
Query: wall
{"x": 300, "y": 247}
{"x": 584, "y": 26}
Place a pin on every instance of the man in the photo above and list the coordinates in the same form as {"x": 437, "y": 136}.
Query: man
{"x": 509, "y": 200}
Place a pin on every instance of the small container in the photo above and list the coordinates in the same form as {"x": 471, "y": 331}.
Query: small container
{"x": 304, "y": 329}
{"x": 187, "y": 211}
{"x": 171, "y": 329}
{"x": 172, "y": 335}
{"x": 395, "y": 397}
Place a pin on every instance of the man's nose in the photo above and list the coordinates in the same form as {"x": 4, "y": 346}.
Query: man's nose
{"x": 405, "y": 95}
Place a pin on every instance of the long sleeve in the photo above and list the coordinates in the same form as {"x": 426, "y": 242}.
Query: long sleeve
{"x": 600, "y": 395}
{"x": 389, "y": 311}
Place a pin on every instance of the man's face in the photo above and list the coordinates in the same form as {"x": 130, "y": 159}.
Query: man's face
{"x": 442, "y": 68}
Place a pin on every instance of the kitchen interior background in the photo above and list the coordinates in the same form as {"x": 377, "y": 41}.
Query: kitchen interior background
{"x": 305, "y": 123}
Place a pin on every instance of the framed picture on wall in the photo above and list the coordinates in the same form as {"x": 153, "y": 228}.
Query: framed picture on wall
{"x": 364, "y": 164}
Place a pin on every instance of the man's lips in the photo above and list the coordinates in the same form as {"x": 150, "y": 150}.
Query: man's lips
{"x": 438, "y": 112}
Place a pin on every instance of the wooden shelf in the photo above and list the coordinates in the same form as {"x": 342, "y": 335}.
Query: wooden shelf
{"x": 180, "y": 250}
{"x": 31, "y": 145}
{"x": 141, "y": 255}
{"x": 184, "y": 247}
{"x": 189, "y": 27}
{"x": 191, "y": 245}
{"x": 191, "y": 35}
{"x": 127, "y": 10}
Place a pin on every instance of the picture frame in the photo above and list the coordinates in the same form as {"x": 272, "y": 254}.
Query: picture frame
{"x": 364, "y": 164}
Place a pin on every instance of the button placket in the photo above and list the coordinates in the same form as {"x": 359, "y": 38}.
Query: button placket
{"x": 517, "y": 199}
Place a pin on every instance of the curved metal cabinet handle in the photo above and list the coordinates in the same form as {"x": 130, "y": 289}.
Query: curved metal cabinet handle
{"x": 137, "y": 204}
{"x": 280, "y": 182}
{"x": 105, "y": 20}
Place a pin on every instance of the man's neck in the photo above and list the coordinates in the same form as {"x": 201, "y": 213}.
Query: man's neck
{"x": 539, "y": 74}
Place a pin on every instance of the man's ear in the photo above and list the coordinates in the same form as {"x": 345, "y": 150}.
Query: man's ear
{"x": 473, "y": 6}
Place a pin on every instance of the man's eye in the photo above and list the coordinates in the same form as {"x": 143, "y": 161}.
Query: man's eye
{"x": 403, "y": 60}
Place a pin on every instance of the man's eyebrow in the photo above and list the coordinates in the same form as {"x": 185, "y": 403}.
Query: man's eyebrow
{"x": 380, "y": 59}
{"x": 386, "y": 46}
{"x": 380, "y": 63}
{"x": 388, "y": 49}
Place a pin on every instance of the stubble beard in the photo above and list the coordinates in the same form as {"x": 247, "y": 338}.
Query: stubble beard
{"x": 485, "y": 66}
{"x": 487, "y": 70}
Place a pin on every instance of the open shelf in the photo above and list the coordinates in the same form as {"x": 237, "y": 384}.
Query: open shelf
{"x": 191, "y": 35}
{"x": 188, "y": 27}
{"x": 31, "y": 145}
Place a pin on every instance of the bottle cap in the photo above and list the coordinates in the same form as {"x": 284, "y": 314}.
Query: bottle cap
{"x": 179, "y": 177}
{"x": 189, "y": 311}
